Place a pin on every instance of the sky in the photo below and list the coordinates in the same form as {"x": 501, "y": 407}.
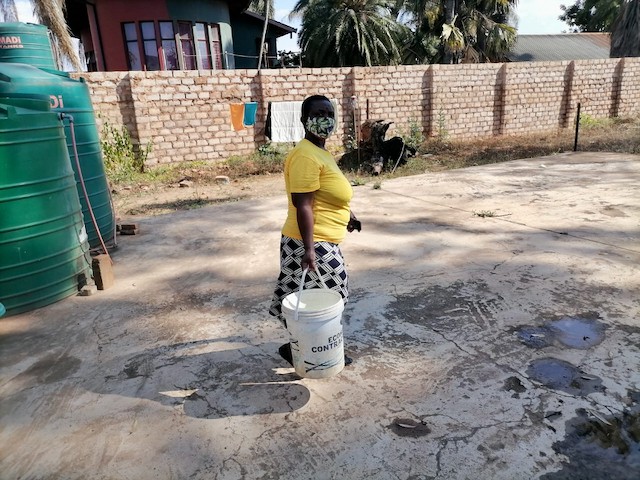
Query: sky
{"x": 535, "y": 16}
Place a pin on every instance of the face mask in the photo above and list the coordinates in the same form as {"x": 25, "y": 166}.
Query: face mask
{"x": 321, "y": 126}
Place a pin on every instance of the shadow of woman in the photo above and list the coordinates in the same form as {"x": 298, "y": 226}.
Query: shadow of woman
{"x": 213, "y": 378}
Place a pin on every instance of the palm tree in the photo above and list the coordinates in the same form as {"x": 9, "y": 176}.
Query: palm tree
{"x": 469, "y": 30}
{"x": 420, "y": 43}
{"x": 259, "y": 6}
{"x": 625, "y": 33}
{"x": 8, "y": 10}
{"x": 51, "y": 14}
{"x": 336, "y": 33}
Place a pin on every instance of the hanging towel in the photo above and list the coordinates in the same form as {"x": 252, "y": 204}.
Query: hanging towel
{"x": 250, "y": 110}
{"x": 285, "y": 123}
{"x": 237, "y": 116}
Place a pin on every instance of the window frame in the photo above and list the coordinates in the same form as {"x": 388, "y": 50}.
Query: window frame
{"x": 212, "y": 43}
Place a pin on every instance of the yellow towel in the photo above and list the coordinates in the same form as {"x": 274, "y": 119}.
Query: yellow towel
{"x": 237, "y": 116}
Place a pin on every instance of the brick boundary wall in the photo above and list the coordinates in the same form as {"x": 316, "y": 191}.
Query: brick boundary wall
{"x": 185, "y": 114}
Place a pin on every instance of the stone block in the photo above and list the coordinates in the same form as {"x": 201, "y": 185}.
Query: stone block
{"x": 88, "y": 290}
{"x": 102, "y": 271}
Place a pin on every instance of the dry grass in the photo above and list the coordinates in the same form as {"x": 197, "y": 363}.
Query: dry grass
{"x": 601, "y": 136}
{"x": 613, "y": 135}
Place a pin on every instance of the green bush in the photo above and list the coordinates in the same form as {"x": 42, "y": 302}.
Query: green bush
{"x": 589, "y": 121}
{"x": 122, "y": 159}
{"x": 412, "y": 135}
{"x": 268, "y": 159}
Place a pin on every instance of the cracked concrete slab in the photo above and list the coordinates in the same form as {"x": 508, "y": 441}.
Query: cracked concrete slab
{"x": 494, "y": 326}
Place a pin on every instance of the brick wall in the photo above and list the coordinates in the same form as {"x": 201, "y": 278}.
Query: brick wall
{"x": 185, "y": 114}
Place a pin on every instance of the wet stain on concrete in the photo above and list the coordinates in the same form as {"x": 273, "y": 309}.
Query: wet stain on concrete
{"x": 407, "y": 427}
{"x": 560, "y": 375}
{"x": 459, "y": 305}
{"x": 513, "y": 384}
{"x": 139, "y": 366}
{"x": 573, "y": 332}
{"x": 53, "y": 368}
{"x": 535, "y": 337}
{"x": 613, "y": 212}
{"x": 600, "y": 446}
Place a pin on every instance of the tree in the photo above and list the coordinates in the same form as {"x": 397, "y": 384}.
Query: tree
{"x": 337, "y": 33}
{"x": 625, "y": 33}
{"x": 420, "y": 39}
{"x": 259, "y": 6}
{"x": 470, "y": 31}
{"x": 51, "y": 14}
{"x": 8, "y": 10}
{"x": 591, "y": 15}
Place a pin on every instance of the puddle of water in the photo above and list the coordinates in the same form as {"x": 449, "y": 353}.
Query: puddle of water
{"x": 572, "y": 332}
{"x": 407, "y": 427}
{"x": 561, "y": 375}
{"x": 605, "y": 447}
{"x": 535, "y": 337}
{"x": 576, "y": 332}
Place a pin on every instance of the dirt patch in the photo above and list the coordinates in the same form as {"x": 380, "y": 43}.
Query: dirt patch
{"x": 159, "y": 199}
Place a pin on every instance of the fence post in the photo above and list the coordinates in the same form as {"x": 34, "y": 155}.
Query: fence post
{"x": 575, "y": 142}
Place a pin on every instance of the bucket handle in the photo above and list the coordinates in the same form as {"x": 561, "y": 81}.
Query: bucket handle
{"x": 304, "y": 274}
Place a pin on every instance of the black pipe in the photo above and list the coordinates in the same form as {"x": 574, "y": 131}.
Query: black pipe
{"x": 575, "y": 142}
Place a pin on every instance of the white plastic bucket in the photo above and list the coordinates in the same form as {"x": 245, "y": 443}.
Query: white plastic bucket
{"x": 314, "y": 322}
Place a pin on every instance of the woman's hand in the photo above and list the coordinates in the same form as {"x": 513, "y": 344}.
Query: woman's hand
{"x": 309, "y": 260}
{"x": 354, "y": 223}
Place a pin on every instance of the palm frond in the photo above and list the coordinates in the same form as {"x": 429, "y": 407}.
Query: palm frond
{"x": 51, "y": 14}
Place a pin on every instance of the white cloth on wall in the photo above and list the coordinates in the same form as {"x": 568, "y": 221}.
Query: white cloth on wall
{"x": 285, "y": 122}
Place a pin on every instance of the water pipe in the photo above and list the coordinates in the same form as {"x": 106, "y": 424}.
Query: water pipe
{"x": 84, "y": 188}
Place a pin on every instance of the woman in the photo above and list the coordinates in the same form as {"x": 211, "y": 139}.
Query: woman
{"x": 318, "y": 215}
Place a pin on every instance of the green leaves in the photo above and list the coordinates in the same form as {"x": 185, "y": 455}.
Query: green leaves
{"x": 338, "y": 33}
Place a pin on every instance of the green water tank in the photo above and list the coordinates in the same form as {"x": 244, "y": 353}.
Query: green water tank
{"x": 44, "y": 253}
{"x": 71, "y": 97}
{"x": 26, "y": 43}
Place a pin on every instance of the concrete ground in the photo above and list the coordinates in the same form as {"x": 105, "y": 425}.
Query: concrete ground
{"x": 494, "y": 325}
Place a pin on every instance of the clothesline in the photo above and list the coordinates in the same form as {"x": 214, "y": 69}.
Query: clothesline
{"x": 248, "y": 56}
{"x": 257, "y": 57}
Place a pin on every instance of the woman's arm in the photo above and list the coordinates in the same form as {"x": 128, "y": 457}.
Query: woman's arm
{"x": 304, "y": 214}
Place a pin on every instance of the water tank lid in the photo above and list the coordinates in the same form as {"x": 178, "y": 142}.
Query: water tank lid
{"x": 24, "y": 104}
{"x": 11, "y": 70}
{"x": 21, "y": 24}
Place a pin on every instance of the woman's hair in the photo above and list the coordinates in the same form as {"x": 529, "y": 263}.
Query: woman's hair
{"x": 306, "y": 104}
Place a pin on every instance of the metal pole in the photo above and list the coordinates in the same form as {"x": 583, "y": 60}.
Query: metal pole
{"x": 575, "y": 142}
{"x": 264, "y": 33}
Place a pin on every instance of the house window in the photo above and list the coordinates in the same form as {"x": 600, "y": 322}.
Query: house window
{"x": 204, "y": 54}
{"x": 186, "y": 45}
{"x": 169, "y": 51}
{"x": 169, "y": 45}
{"x": 216, "y": 46}
{"x": 133, "y": 51}
{"x": 151, "y": 59}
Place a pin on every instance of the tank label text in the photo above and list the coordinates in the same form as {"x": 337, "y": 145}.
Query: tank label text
{"x": 10, "y": 41}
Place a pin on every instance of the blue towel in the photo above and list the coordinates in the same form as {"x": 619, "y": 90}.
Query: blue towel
{"x": 250, "y": 110}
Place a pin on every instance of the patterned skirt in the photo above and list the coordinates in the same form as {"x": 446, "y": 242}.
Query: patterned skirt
{"x": 330, "y": 265}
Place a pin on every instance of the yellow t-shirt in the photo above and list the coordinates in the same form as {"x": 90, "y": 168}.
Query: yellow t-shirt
{"x": 309, "y": 168}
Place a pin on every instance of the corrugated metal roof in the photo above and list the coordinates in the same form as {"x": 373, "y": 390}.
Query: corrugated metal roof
{"x": 566, "y": 46}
